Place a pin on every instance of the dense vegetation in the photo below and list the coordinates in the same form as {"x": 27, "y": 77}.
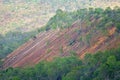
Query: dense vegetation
{"x": 100, "y": 66}
{"x": 108, "y": 17}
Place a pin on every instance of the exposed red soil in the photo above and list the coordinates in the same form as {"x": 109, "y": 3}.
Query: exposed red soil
{"x": 54, "y": 43}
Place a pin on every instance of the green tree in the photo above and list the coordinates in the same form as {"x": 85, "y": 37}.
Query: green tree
{"x": 15, "y": 78}
{"x": 118, "y": 26}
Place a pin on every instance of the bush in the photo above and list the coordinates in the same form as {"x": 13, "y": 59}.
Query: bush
{"x": 118, "y": 26}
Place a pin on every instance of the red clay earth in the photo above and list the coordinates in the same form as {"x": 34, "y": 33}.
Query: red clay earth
{"x": 59, "y": 43}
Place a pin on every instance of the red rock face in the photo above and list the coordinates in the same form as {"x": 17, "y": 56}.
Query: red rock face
{"x": 60, "y": 43}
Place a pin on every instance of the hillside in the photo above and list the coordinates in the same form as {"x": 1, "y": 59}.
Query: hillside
{"x": 59, "y": 40}
{"x": 99, "y": 66}
{"x": 21, "y": 20}
{"x": 97, "y": 30}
